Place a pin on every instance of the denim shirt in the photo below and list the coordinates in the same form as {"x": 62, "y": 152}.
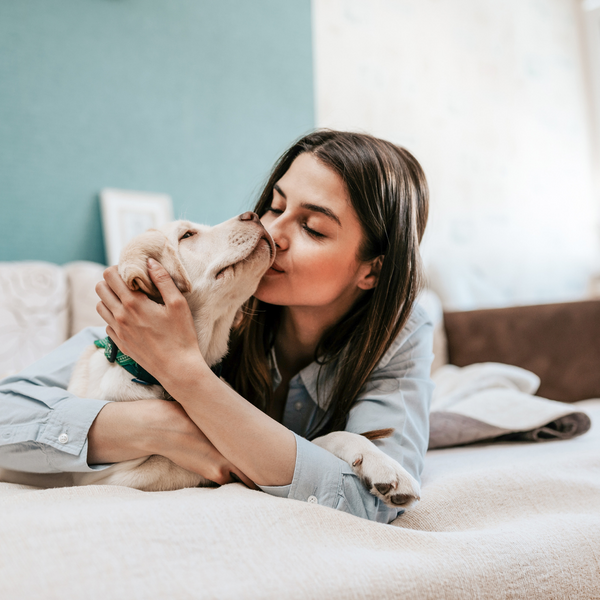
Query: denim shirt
{"x": 44, "y": 428}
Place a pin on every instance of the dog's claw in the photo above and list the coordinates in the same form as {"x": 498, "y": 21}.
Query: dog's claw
{"x": 384, "y": 488}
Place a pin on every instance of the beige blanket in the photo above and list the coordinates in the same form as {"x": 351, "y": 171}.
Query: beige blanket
{"x": 502, "y": 521}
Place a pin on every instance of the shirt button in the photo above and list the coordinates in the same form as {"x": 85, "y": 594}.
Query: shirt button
{"x": 63, "y": 438}
{"x": 313, "y": 500}
{"x": 298, "y": 405}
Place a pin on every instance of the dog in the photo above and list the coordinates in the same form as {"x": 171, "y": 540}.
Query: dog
{"x": 217, "y": 269}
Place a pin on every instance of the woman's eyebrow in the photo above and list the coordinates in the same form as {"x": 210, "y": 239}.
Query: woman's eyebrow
{"x": 276, "y": 187}
{"x": 313, "y": 207}
{"x": 321, "y": 209}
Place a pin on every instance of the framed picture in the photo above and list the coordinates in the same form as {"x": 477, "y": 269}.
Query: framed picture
{"x": 126, "y": 214}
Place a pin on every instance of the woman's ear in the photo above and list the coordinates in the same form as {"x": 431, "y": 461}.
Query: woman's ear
{"x": 370, "y": 277}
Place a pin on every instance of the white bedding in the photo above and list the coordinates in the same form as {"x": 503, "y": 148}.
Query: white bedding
{"x": 496, "y": 521}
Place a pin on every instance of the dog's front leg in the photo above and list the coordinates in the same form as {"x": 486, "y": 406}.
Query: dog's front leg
{"x": 382, "y": 475}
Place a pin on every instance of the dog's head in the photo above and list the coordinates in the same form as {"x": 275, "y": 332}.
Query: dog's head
{"x": 215, "y": 265}
{"x": 216, "y": 268}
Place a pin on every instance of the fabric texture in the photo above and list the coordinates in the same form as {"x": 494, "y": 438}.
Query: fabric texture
{"x": 560, "y": 343}
{"x": 494, "y": 401}
{"x": 41, "y": 306}
{"x": 34, "y": 316}
{"x": 496, "y": 522}
{"x": 82, "y": 277}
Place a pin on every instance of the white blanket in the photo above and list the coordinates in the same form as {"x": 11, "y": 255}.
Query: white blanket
{"x": 499, "y": 522}
{"x": 492, "y": 400}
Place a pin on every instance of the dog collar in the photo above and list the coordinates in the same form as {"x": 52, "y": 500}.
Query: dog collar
{"x": 140, "y": 375}
{"x": 113, "y": 354}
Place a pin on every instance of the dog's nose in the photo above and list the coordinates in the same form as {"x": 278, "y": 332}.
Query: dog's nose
{"x": 249, "y": 216}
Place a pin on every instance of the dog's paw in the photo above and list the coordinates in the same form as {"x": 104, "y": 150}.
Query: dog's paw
{"x": 386, "y": 479}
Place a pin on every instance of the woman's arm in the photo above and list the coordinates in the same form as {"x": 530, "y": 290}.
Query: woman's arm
{"x": 163, "y": 340}
{"x": 45, "y": 429}
{"x": 397, "y": 395}
{"x": 128, "y": 430}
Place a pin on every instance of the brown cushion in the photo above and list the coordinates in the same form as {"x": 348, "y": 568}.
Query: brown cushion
{"x": 558, "y": 342}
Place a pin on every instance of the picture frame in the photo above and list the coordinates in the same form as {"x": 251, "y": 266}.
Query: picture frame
{"x": 127, "y": 213}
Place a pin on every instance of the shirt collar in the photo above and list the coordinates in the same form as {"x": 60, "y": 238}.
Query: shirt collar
{"x": 309, "y": 377}
{"x": 309, "y": 374}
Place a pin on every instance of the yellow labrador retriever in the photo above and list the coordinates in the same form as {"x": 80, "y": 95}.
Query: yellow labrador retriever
{"x": 217, "y": 269}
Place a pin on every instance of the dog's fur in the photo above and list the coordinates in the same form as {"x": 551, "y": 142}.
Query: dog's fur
{"x": 217, "y": 269}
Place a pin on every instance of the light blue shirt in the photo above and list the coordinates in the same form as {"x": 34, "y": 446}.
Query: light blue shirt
{"x": 44, "y": 428}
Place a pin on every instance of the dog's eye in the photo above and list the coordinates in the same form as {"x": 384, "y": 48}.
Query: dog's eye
{"x": 187, "y": 235}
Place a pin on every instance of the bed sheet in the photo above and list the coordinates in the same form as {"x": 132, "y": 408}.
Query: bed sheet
{"x": 512, "y": 520}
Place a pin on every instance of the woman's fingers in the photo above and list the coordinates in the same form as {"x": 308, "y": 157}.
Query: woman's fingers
{"x": 178, "y": 438}
{"x": 105, "y": 313}
{"x": 108, "y": 297}
{"x": 164, "y": 282}
{"x": 116, "y": 283}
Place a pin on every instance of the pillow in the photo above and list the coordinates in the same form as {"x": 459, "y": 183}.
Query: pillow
{"x": 82, "y": 277}
{"x": 33, "y": 313}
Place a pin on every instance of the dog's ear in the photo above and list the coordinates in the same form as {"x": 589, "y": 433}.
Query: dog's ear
{"x": 133, "y": 264}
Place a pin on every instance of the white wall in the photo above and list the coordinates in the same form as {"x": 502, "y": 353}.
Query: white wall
{"x": 491, "y": 97}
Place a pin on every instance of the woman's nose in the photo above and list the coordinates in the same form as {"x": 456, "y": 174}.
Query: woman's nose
{"x": 277, "y": 230}
{"x": 249, "y": 216}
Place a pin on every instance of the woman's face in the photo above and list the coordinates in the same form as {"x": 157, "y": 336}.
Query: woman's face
{"x": 318, "y": 235}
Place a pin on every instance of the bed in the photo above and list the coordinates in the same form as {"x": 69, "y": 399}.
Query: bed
{"x": 510, "y": 520}
{"x": 497, "y": 520}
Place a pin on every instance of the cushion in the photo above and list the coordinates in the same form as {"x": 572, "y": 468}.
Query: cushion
{"x": 33, "y": 312}
{"x": 82, "y": 277}
{"x": 560, "y": 343}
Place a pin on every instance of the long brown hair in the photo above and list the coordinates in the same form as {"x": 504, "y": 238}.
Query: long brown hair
{"x": 388, "y": 191}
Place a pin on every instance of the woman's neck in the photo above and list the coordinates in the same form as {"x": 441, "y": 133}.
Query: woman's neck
{"x": 299, "y": 334}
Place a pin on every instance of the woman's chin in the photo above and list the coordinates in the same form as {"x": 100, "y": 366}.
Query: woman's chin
{"x": 264, "y": 292}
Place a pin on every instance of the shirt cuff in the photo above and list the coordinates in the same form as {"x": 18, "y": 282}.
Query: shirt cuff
{"x": 65, "y": 434}
{"x": 322, "y": 478}
{"x": 318, "y": 476}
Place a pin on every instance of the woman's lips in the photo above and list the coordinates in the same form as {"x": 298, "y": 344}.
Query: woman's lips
{"x": 275, "y": 268}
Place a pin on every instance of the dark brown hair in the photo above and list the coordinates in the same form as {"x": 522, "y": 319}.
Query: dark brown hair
{"x": 388, "y": 191}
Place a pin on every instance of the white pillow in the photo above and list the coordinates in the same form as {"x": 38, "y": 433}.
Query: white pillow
{"x": 82, "y": 277}
{"x": 33, "y": 312}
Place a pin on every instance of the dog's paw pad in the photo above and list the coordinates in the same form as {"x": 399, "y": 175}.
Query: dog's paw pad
{"x": 403, "y": 499}
{"x": 386, "y": 479}
{"x": 383, "y": 488}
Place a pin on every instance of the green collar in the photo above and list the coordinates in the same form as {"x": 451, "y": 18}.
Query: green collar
{"x": 140, "y": 375}
{"x": 113, "y": 354}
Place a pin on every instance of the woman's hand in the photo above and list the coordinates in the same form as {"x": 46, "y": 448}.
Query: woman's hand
{"x": 161, "y": 338}
{"x": 127, "y": 430}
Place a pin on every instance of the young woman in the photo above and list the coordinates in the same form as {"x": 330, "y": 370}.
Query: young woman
{"x": 331, "y": 340}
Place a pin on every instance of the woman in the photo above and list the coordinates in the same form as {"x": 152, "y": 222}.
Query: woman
{"x": 332, "y": 339}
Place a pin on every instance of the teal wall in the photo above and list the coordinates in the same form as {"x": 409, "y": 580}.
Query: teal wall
{"x": 193, "y": 98}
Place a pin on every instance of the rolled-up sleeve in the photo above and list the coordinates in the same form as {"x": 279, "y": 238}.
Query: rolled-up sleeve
{"x": 397, "y": 395}
{"x": 322, "y": 478}
{"x": 44, "y": 428}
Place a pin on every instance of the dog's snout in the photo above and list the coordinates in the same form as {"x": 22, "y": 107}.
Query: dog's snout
{"x": 249, "y": 216}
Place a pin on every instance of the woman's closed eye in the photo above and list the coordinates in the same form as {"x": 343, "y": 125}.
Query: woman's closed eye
{"x": 312, "y": 231}
{"x": 309, "y": 230}
{"x": 276, "y": 211}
